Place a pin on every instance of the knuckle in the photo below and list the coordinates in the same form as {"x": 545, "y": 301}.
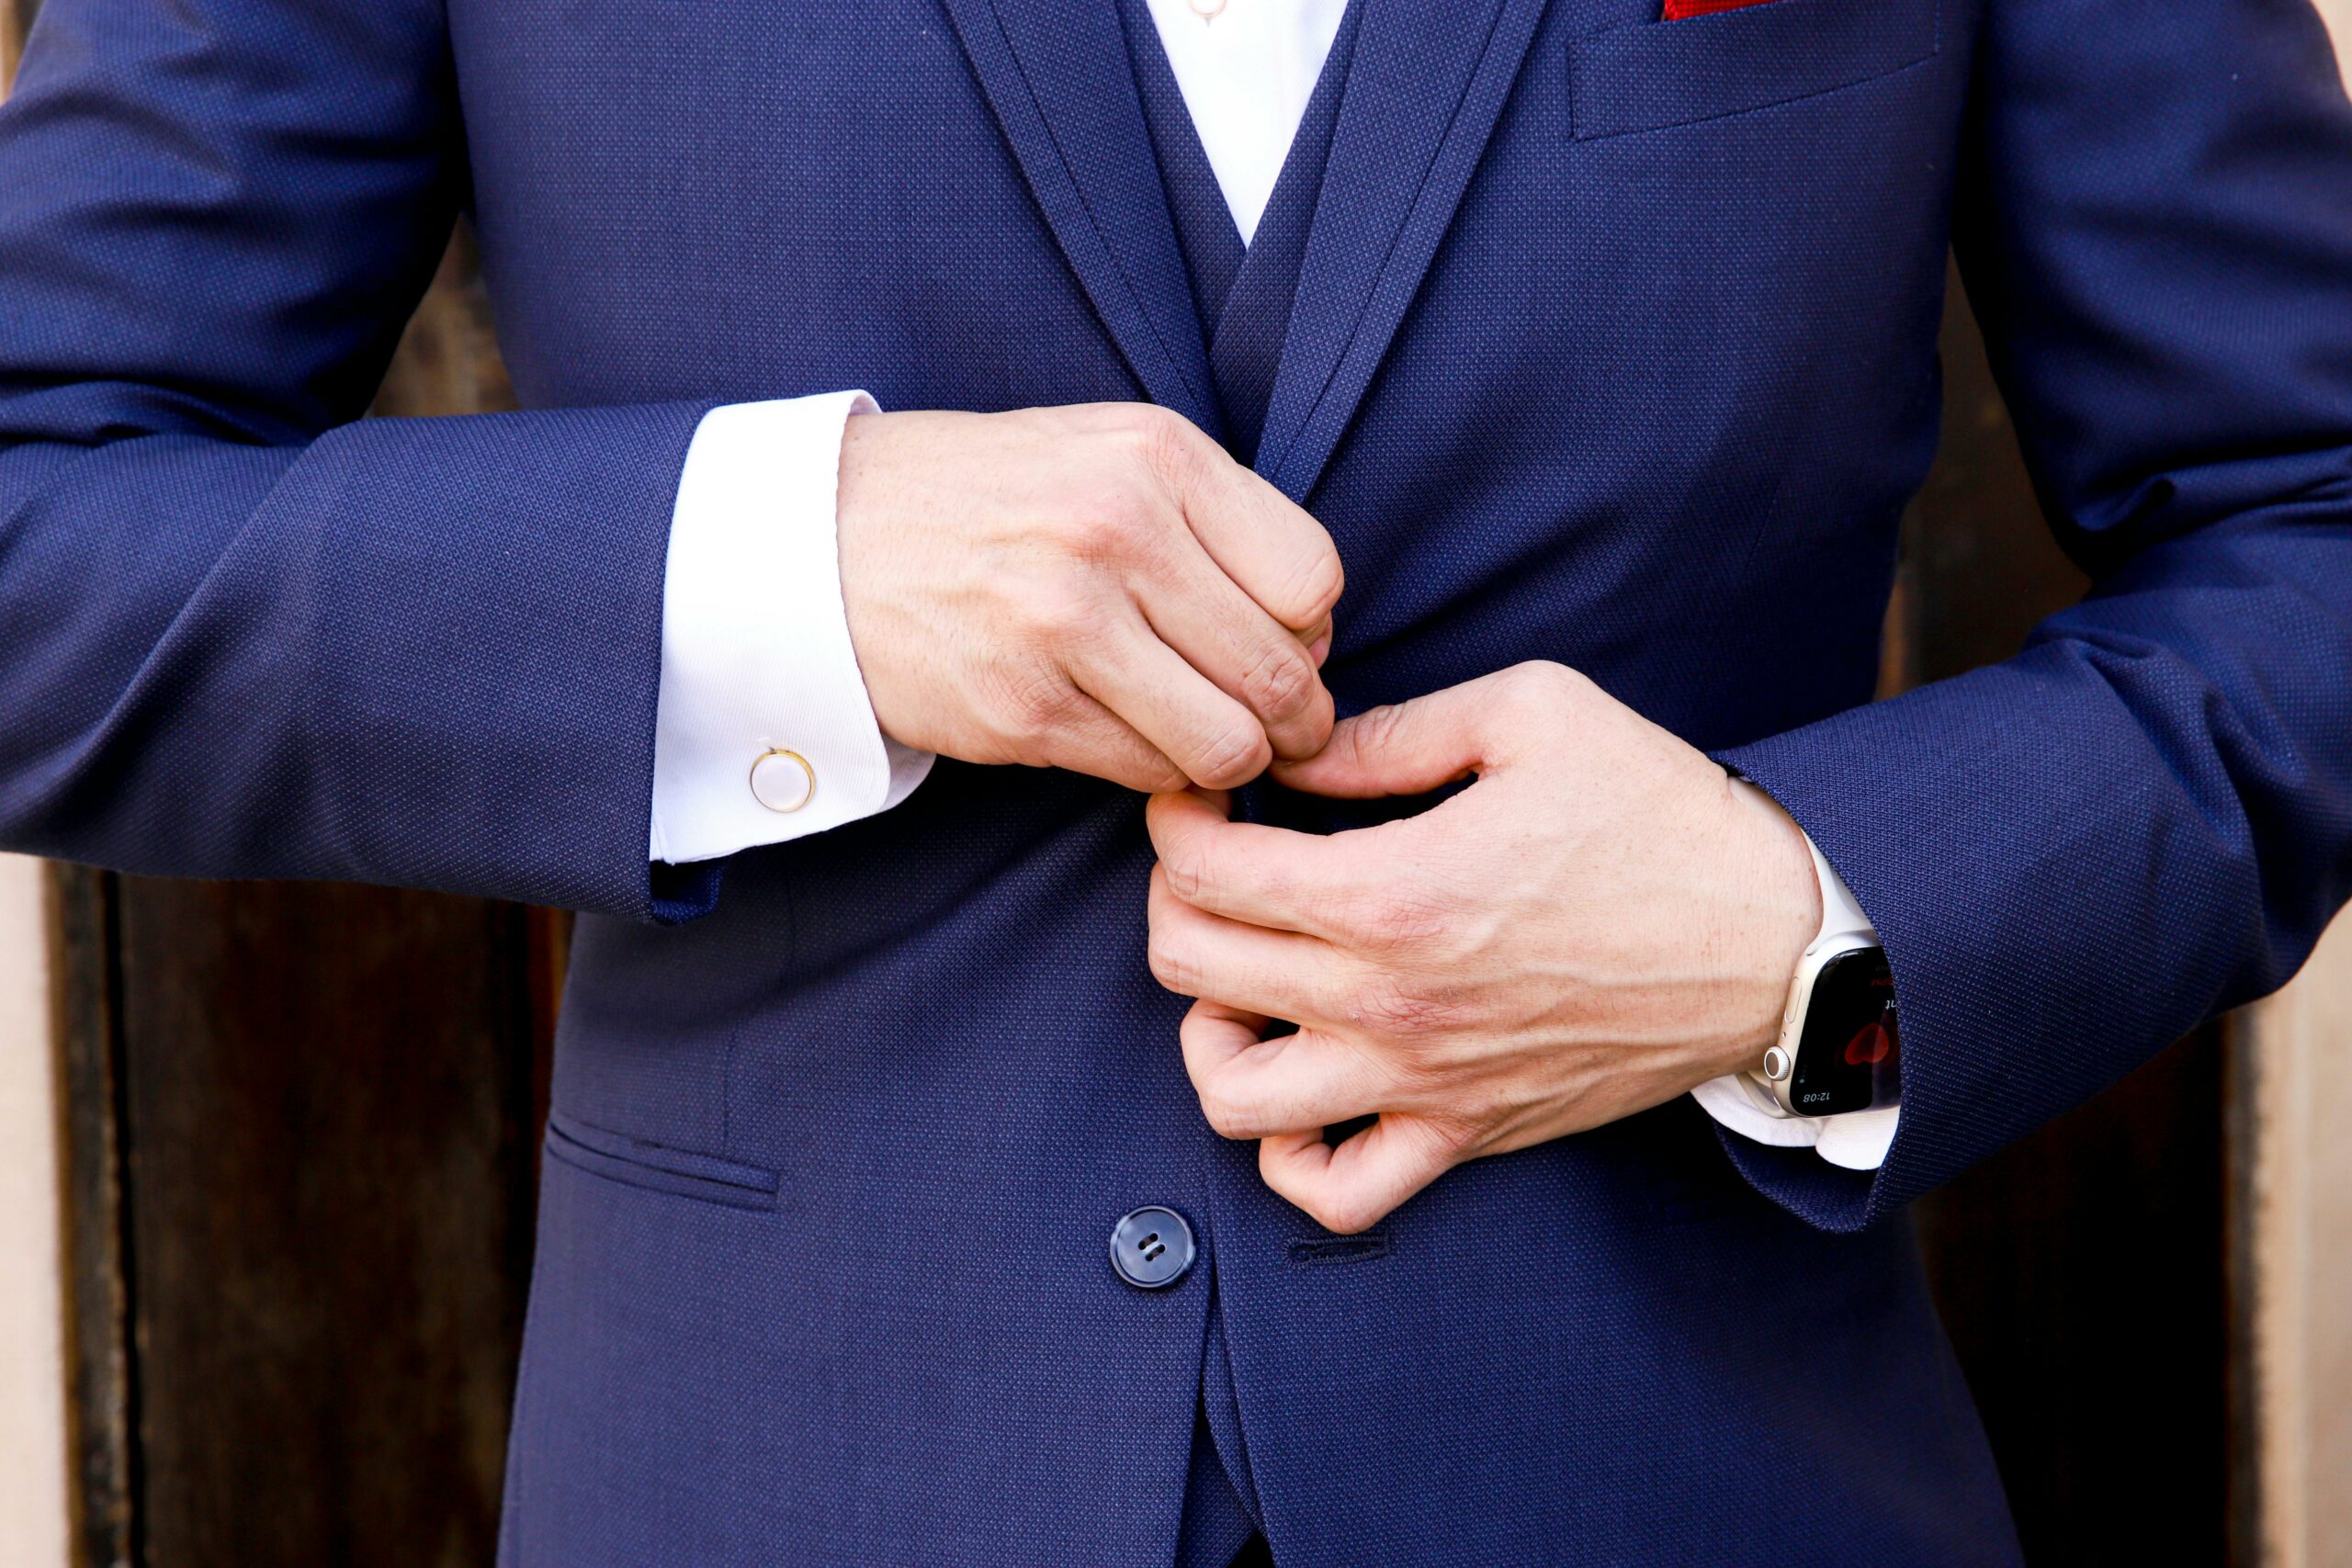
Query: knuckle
{"x": 1059, "y": 609}
{"x": 1187, "y": 873}
{"x": 1171, "y": 966}
{"x": 1541, "y": 690}
{"x": 1102, "y": 530}
{"x": 1398, "y": 1010}
{"x": 1423, "y": 1081}
{"x": 1281, "y": 684}
{"x": 1041, "y": 703}
{"x": 1402, "y": 916}
{"x": 1318, "y": 584}
{"x": 1140, "y": 421}
{"x": 1226, "y": 1116}
{"x": 1343, "y": 1214}
{"x": 1449, "y": 1138}
{"x": 1155, "y": 774}
{"x": 1376, "y": 730}
{"x": 1232, "y": 757}
{"x": 1166, "y": 442}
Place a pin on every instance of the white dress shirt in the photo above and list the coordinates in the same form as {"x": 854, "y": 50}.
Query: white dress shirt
{"x": 764, "y": 731}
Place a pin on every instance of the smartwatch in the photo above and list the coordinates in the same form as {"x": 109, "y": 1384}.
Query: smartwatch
{"x": 1841, "y": 1042}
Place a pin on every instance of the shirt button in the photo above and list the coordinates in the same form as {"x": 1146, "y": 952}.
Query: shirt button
{"x": 783, "y": 781}
{"x": 1152, "y": 1248}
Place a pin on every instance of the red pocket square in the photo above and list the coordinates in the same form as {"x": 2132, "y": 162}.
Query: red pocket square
{"x": 1678, "y": 10}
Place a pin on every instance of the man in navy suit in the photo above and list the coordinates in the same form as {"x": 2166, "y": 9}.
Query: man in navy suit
{"x": 1448, "y": 457}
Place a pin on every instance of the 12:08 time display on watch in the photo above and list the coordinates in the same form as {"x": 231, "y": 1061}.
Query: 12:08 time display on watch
{"x": 1847, "y": 1052}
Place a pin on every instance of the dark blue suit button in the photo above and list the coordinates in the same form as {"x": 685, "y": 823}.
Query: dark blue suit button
{"x": 1152, "y": 1248}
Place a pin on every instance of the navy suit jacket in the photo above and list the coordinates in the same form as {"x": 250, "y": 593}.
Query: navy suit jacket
{"x": 1615, "y": 344}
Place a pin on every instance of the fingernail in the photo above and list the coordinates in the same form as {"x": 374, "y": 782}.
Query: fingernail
{"x": 1320, "y": 648}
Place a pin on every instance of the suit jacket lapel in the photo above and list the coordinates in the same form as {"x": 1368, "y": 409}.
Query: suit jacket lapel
{"x": 1422, "y": 95}
{"x": 1056, "y": 74}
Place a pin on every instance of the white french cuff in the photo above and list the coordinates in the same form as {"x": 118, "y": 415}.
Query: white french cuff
{"x": 1857, "y": 1140}
{"x": 763, "y": 730}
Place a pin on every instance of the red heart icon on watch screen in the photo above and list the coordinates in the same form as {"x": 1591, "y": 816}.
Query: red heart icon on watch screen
{"x": 1870, "y": 1045}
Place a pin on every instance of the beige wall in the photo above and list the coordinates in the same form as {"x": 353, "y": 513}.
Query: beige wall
{"x": 32, "y": 1351}
{"x": 34, "y": 1508}
{"x": 2300, "y": 1046}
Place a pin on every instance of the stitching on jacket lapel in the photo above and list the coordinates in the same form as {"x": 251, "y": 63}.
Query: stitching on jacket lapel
{"x": 1056, "y": 74}
{"x": 1393, "y": 182}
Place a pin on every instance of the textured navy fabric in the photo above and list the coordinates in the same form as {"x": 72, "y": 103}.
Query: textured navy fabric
{"x": 1613, "y": 343}
{"x": 1244, "y": 297}
{"x": 1205, "y": 232}
{"x": 1246, "y": 346}
{"x": 1214, "y": 1528}
{"x": 1245, "y": 301}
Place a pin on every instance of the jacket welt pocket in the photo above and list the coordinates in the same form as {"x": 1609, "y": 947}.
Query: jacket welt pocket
{"x": 658, "y": 1168}
{"x": 1666, "y": 73}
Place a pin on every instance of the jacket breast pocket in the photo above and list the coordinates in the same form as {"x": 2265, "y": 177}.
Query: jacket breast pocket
{"x": 1666, "y": 73}
{"x": 657, "y": 1168}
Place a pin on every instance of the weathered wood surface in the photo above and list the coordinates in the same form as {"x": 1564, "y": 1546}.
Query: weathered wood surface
{"x": 100, "y": 1408}
{"x": 2292, "y": 1249}
{"x": 328, "y": 1108}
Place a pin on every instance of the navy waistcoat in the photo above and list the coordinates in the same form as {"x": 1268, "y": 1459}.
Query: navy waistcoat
{"x": 1243, "y": 296}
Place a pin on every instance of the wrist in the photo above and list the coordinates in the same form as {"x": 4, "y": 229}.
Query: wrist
{"x": 1779, "y": 914}
{"x": 863, "y": 494}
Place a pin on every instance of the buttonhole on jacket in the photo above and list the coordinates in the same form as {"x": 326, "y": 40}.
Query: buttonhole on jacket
{"x": 1339, "y": 1249}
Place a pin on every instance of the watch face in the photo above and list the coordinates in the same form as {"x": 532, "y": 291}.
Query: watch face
{"x": 1849, "y": 1055}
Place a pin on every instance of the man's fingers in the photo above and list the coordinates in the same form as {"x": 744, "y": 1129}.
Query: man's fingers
{"x": 1413, "y": 747}
{"x": 1268, "y": 877}
{"x": 1276, "y": 973}
{"x": 1093, "y": 739}
{"x": 1212, "y": 1033}
{"x": 1281, "y": 555}
{"x": 1249, "y": 656}
{"x": 1217, "y": 742}
{"x": 1252, "y": 1088}
{"x": 1353, "y": 1187}
{"x": 1407, "y": 748}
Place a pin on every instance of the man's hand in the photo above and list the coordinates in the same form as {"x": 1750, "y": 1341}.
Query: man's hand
{"x": 1598, "y": 924}
{"x": 1098, "y": 588}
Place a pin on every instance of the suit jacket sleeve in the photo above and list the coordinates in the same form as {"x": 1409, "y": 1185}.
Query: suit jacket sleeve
{"x": 246, "y": 632}
{"x": 2145, "y": 817}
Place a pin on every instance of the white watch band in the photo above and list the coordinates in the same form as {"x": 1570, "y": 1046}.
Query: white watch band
{"x": 1842, "y": 920}
{"x": 1858, "y": 1140}
{"x": 1844, "y": 926}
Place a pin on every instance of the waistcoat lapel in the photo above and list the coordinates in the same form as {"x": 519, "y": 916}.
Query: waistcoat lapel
{"x": 1426, "y": 85}
{"x": 1056, "y": 74}
{"x": 1244, "y": 298}
{"x": 1245, "y": 348}
{"x": 1205, "y": 227}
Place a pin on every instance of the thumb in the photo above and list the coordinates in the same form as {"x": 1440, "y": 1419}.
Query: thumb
{"x": 1353, "y": 1187}
{"x": 1408, "y": 747}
